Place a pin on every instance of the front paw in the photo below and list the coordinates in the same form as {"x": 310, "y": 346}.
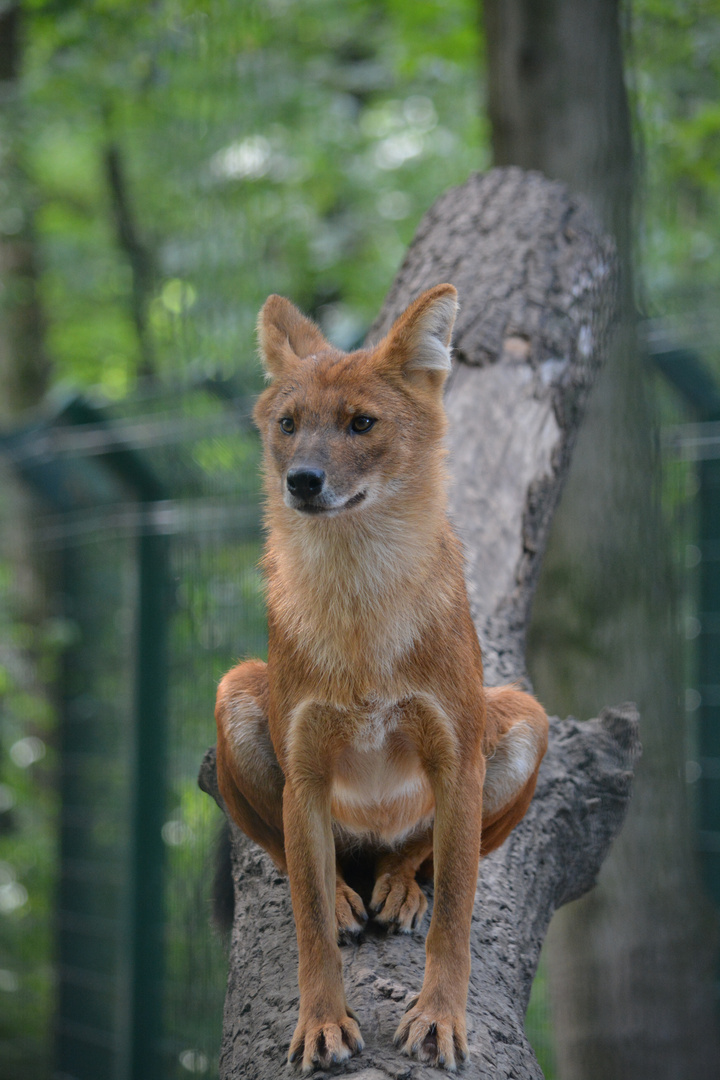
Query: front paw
{"x": 433, "y": 1033}
{"x": 398, "y": 901}
{"x": 325, "y": 1042}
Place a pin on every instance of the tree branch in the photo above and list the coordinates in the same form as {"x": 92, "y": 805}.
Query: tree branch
{"x": 141, "y": 263}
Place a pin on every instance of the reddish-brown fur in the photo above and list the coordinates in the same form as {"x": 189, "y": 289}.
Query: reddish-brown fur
{"x": 370, "y": 724}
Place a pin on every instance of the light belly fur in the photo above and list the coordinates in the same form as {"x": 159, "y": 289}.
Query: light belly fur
{"x": 380, "y": 789}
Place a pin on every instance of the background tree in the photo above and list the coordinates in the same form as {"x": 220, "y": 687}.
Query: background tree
{"x": 631, "y": 970}
{"x": 24, "y": 369}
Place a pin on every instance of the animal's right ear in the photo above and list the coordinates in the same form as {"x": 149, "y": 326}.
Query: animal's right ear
{"x": 285, "y": 335}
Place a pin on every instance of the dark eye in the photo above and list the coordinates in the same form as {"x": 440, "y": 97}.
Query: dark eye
{"x": 361, "y": 424}
{"x": 287, "y": 424}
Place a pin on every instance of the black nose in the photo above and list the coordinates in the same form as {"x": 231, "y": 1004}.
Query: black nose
{"x": 304, "y": 482}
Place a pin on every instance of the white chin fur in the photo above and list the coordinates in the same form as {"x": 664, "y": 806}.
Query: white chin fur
{"x": 326, "y": 510}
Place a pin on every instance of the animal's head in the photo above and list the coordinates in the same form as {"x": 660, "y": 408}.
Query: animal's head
{"x": 342, "y": 430}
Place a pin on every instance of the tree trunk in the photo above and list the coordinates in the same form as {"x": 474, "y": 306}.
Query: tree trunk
{"x": 557, "y": 100}
{"x": 24, "y": 366}
{"x": 631, "y": 971}
{"x": 535, "y": 278}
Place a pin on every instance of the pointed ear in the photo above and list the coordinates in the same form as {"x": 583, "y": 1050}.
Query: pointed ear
{"x": 284, "y": 335}
{"x": 419, "y": 341}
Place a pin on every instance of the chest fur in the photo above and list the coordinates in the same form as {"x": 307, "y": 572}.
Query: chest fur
{"x": 357, "y": 601}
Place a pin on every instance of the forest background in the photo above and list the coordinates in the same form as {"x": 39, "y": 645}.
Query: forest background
{"x": 293, "y": 147}
{"x": 166, "y": 166}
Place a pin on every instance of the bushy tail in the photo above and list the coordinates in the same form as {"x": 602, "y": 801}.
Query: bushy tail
{"x": 223, "y": 893}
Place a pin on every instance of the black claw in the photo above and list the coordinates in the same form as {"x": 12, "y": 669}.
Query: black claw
{"x": 460, "y": 1052}
{"x": 350, "y": 937}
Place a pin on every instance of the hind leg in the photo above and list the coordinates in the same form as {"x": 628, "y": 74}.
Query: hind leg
{"x": 249, "y": 777}
{"x": 251, "y": 781}
{"x": 517, "y": 734}
{"x": 397, "y": 901}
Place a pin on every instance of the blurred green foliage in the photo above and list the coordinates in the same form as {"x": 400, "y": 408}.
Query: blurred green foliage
{"x": 278, "y": 146}
{"x": 268, "y": 147}
{"x": 292, "y": 147}
{"x": 674, "y": 72}
{"x": 28, "y": 842}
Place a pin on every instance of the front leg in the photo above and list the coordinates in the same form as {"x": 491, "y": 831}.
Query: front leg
{"x": 325, "y": 1032}
{"x": 433, "y": 1029}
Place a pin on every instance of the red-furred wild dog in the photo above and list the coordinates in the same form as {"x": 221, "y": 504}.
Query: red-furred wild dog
{"x": 370, "y": 724}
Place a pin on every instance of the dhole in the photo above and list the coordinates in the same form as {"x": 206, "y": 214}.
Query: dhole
{"x": 369, "y": 725}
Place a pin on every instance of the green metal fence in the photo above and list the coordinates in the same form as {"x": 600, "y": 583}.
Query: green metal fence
{"x": 697, "y": 444}
{"x": 146, "y": 531}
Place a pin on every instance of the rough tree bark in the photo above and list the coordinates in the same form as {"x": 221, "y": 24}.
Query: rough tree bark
{"x": 535, "y": 278}
{"x": 631, "y": 967}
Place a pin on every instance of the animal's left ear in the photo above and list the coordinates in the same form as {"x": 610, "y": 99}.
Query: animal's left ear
{"x": 418, "y": 343}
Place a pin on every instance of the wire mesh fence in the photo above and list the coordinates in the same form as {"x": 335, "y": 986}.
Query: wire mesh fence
{"x": 129, "y": 548}
{"x": 134, "y": 586}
